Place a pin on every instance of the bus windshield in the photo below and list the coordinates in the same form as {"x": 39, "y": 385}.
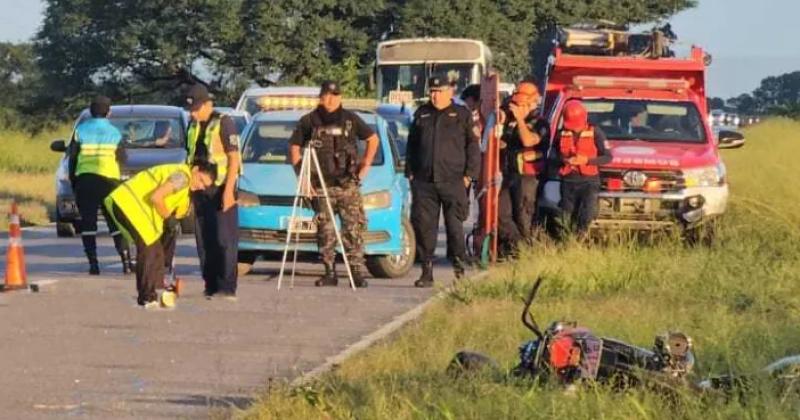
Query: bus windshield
{"x": 413, "y": 77}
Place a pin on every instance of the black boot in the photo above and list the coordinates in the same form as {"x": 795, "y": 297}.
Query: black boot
{"x": 358, "y": 279}
{"x": 329, "y": 278}
{"x": 124, "y": 253}
{"x": 426, "y": 279}
{"x": 127, "y": 264}
{"x": 90, "y": 248}
{"x": 458, "y": 268}
{"x": 94, "y": 266}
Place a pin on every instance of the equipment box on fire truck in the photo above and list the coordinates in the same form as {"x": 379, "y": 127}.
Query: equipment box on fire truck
{"x": 666, "y": 170}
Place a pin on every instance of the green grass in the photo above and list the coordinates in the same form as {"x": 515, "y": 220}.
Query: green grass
{"x": 739, "y": 299}
{"x": 27, "y": 170}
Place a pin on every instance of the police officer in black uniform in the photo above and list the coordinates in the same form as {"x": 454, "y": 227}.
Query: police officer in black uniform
{"x": 334, "y": 132}
{"x": 442, "y": 159}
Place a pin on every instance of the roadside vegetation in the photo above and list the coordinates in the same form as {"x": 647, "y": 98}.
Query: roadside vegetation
{"x": 739, "y": 299}
{"x": 27, "y": 170}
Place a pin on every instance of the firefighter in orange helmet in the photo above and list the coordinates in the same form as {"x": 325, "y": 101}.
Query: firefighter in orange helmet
{"x": 525, "y": 140}
{"x": 580, "y": 150}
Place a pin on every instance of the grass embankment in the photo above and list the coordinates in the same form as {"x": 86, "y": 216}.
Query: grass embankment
{"x": 739, "y": 299}
{"x": 27, "y": 174}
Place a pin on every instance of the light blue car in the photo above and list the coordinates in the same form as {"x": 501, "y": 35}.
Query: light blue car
{"x": 267, "y": 189}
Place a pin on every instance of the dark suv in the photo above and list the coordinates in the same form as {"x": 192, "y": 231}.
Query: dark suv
{"x": 151, "y": 135}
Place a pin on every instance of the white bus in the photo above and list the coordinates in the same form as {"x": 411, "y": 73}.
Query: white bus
{"x": 404, "y": 66}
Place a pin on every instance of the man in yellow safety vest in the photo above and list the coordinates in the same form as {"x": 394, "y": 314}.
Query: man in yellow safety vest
{"x": 213, "y": 138}
{"x": 94, "y": 171}
{"x": 147, "y": 208}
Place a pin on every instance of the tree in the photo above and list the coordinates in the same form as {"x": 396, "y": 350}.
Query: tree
{"x": 716, "y": 103}
{"x": 143, "y": 50}
{"x": 19, "y": 82}
{"x": 511, "y": 28}
{"x": 779, "y": 94}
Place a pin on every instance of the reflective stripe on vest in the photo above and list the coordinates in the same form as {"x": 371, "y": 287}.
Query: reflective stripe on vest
{"x": 585, "y": 146}
{"x": 213, "y": 142}
{"x": 133, "y": 199}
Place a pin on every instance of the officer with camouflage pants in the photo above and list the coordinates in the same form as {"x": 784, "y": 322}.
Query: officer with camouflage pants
{"x": 333, "y": 132}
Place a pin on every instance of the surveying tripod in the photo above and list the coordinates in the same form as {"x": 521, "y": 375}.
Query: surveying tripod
{"x": 305, "y": 193}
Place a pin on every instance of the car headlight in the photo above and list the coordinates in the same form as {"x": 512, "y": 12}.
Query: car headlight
{"x": 711, "y": 176}
{"x": 247, "y": 199}
{"x": 377, "y": 200}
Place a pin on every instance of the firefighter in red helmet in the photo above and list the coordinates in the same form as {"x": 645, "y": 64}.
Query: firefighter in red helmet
{"x": 580, "y": 150}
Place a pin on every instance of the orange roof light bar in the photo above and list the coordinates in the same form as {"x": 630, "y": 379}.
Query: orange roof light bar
{"x": 288, "y": 103}
{"x": 630, "y": 83}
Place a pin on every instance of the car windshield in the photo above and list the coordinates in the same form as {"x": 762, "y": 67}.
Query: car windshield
{"x": 625, "y": 119}
{"x": 268, "y": 143}
{"x": 412, "y": 77}
{"x": 147, "y": 132}
{"x": 399, "y": 132}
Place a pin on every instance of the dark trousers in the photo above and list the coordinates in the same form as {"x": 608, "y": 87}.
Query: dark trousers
{"x": 217, "y": 235}
{"x": 579, "y": 204}
{"x": 516, "y": 208}
{"x": 428, "y": 199}
{"x": 151, "y": 260}
{"x": 90, "y": 191}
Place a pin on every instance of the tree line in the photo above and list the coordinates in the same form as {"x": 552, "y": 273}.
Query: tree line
{"x": 776, "y": 95}
{"x": 149, "y": 50}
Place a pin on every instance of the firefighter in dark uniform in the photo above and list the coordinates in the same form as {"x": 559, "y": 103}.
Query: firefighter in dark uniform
{"x": 524, "y": 144}
{"x": 213, "y": 138}
{"x": 442, "y": 159}
{"x": 94, "y": 171}
{"x": 580, "y": 149}
{"x": 334, "y": 132}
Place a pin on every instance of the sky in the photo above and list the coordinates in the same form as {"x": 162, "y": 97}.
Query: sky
{"x": 748, "y": 39}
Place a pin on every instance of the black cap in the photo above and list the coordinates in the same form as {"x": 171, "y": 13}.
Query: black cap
{"x": 197, "y": 96}
{"x": 329, "y": 86}
{"x": 438, "y": 82}
{"x": 100, "y": 106}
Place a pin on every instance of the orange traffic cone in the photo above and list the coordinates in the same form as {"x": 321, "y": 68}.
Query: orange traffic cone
{"x": 16, "y": 276}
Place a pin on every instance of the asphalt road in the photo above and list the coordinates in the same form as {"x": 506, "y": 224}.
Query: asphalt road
{"x": 81, "y": 347}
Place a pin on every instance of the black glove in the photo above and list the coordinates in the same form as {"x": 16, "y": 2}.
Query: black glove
{"x": 171, "y": 224}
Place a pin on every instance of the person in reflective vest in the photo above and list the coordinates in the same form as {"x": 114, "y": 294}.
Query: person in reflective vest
{"x": 334, "y": 133}
{"x": 526, "y": 137}
{"x": 213, "y": 138}
{"x": 147, "y": 208}
{"x": 580, "y": 149}
{"x": 94, "y": 172}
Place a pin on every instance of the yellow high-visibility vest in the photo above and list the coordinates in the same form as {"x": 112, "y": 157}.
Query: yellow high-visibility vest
{"x": 213, "y": 142}
{"x": 99, "y": 141}
{"x": 133, "y": 199}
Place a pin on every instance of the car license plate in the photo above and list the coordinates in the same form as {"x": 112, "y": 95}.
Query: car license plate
{"x": 300, "y": 224}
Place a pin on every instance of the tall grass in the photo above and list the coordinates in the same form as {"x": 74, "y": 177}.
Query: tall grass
{"x": 739, "y": 298}
{"x": 27, "y": 173}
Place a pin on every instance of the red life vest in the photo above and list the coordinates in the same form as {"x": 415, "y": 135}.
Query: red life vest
{"x": 584, "y": 146}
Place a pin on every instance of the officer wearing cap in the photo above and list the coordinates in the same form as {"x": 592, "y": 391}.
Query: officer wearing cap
{"x": 442, "y": 159}
{"x": 333, "y": 132}
{"x": 213, "y": 138}
{"x": 94, "y": 171}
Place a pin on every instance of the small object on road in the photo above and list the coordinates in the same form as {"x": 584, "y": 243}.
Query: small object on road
{"x": 168, "y": 299}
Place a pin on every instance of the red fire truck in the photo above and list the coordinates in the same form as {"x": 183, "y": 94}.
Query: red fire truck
{"x": 666, "y": 170}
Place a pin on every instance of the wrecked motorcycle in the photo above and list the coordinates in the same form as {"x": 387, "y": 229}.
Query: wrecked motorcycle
{"x": 570, "y": 354}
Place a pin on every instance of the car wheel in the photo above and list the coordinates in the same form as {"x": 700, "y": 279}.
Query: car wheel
{"x": 64, "y": 229}
{"x": 246, "y": 260}
{"x": 394, "y": 266}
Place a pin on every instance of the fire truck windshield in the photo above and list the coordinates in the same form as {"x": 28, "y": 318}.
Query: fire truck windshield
{"x": 647, "y": 120}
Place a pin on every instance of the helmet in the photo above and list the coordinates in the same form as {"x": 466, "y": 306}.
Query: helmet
{"x": 529, "y": 89}
{"x": 576, "y": 117}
